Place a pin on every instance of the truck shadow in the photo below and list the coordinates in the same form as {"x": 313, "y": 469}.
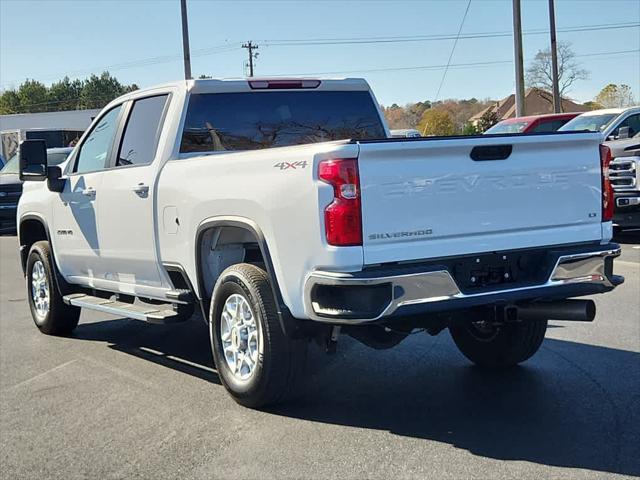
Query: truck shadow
{"x": 183, "y": 347}
{"x": 573, "y": 405}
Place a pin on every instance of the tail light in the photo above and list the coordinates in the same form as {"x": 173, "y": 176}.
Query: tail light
{"x": 342, "y": 217}
{"x": 607, "y": 188}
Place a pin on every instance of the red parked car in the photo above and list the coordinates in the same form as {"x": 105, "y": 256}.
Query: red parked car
{"x": 533, "y": 123}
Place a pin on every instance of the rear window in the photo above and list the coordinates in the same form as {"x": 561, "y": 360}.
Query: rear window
{"x": 594, "y": 123}
{"x": 507, "y": 127}
{"x": 252, "y": 121}
{"x": 549, "y": 125}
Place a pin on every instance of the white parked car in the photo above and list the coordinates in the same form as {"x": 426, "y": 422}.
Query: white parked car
{"x": 281, "y": 210}
{"x": 613, "y": 123}
{"x": 405, "y": 133}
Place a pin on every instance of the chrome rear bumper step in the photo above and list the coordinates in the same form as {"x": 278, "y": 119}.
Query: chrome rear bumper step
{"x": 434, "y": 286}
{"x": 158, "y": 314}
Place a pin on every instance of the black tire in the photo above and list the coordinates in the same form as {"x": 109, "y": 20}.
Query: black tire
{"x": 60, "y": 319}
{"x": 501, "y": 346}
{"x": 280, "y": 365}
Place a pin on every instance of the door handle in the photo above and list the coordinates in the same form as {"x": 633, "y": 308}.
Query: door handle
{"x": 141, "y": 189}
{"x": 89, "y": 192}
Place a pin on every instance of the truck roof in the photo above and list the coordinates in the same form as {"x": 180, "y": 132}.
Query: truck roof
{"x": 219, "y": 85}
{"x": 605, "y": 111}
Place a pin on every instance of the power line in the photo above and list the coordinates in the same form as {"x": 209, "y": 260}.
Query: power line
{"x": 143, "y": 62}
{"x": 439, "y": 67}
{"x": 392, "y": 69}
{"x": 425, "y": 38}
{"x": 231, "y": 46}
{"x": 453, "y": 49}
{"x": 376, "y": 70}
{"x": 397, "y": 69}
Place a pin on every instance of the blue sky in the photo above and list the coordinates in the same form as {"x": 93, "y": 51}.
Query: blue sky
{"x": 140, "y": 42}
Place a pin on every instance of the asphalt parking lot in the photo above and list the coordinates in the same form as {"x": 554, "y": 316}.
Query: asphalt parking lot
{"x": 122, "y": 399}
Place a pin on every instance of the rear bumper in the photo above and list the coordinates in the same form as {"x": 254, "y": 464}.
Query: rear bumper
{"x": 377, "y": 294}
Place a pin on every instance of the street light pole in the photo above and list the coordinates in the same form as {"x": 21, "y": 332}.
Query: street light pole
{"x": 517, "y": 47}
{"x": 557, "y": 101}
{"x": 185, "y": 41}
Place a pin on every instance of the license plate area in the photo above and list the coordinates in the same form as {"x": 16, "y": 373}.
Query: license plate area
{"x": 495, "y": 271}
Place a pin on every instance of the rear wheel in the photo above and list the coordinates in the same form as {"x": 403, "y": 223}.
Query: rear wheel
{"x": 50, "y": 314}
{"x": 257, "y": 363}
{"x": 499, "y": 346}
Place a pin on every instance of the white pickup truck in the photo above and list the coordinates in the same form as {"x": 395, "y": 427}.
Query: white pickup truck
{"x": 282, "y": 209}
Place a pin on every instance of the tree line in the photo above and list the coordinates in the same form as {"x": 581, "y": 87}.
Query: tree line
{"x": 451, "y": 117}
{"x": 34, "y": 96}
{"x": 447, "y": 117}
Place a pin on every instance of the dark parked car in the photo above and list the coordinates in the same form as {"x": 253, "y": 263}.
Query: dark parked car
{"x": 11, "y": 186}
{"x": 532, "y": 124}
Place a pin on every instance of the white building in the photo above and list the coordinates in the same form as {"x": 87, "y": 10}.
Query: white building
{"x": 57, "y": 128}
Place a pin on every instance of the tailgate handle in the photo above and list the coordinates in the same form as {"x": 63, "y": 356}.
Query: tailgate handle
{"x": 491, "y": 152}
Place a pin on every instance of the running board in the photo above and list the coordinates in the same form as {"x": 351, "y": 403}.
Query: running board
{"x": 158, "y": 314}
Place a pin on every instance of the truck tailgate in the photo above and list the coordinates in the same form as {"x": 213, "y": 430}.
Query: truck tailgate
{"x": 429, "y": 198}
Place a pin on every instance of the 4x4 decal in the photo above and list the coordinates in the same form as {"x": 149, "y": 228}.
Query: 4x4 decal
{"x": 288, "y": 165}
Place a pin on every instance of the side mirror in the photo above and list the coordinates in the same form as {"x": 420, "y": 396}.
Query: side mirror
{"x": 33, "y": 160}
{"x": 623, "y": 132}
{"x": 55, "y": 182}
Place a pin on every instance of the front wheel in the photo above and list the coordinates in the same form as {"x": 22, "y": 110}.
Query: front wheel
{"x": 50, "y": 314}
{"x": 257, "y": 363}
{"x": 499, "y": 346}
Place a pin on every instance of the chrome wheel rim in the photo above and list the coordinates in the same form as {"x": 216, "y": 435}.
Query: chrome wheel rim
{"x": 40, "y": 289}
{"x": 240, "y": 337}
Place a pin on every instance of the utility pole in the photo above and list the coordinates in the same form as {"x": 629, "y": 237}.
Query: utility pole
{"x": 517, "y": 47}
{"x": 185, "y": 41}
{"x": 251, "y": 47}
{"x": 557, "y": 101}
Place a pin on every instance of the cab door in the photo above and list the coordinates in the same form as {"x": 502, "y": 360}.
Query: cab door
{"x": 126, "y": 210}
{"x": 75, "y": 232}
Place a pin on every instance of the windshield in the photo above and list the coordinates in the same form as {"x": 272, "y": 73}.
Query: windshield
{"x": 594, "y": 123}
{"x": 53, "y": 158}
{"x": 508, "y": 127}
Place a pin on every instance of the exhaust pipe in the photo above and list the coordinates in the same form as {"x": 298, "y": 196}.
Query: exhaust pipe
{"x": 573, "y": 310}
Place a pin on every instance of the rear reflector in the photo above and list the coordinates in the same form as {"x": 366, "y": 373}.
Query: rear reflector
{"x": 342, "y": 217}
{"x": 607, "y": 188}
{"x": 282, "y": 84}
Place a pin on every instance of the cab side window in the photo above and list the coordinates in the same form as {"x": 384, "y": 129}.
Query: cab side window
{"x": 632, "y": 121}
{"x": 96, "y": 149}
{"x": 550, "y": 126}
{"x": 543, "y": 127}
{"x": 141, "y": 134}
